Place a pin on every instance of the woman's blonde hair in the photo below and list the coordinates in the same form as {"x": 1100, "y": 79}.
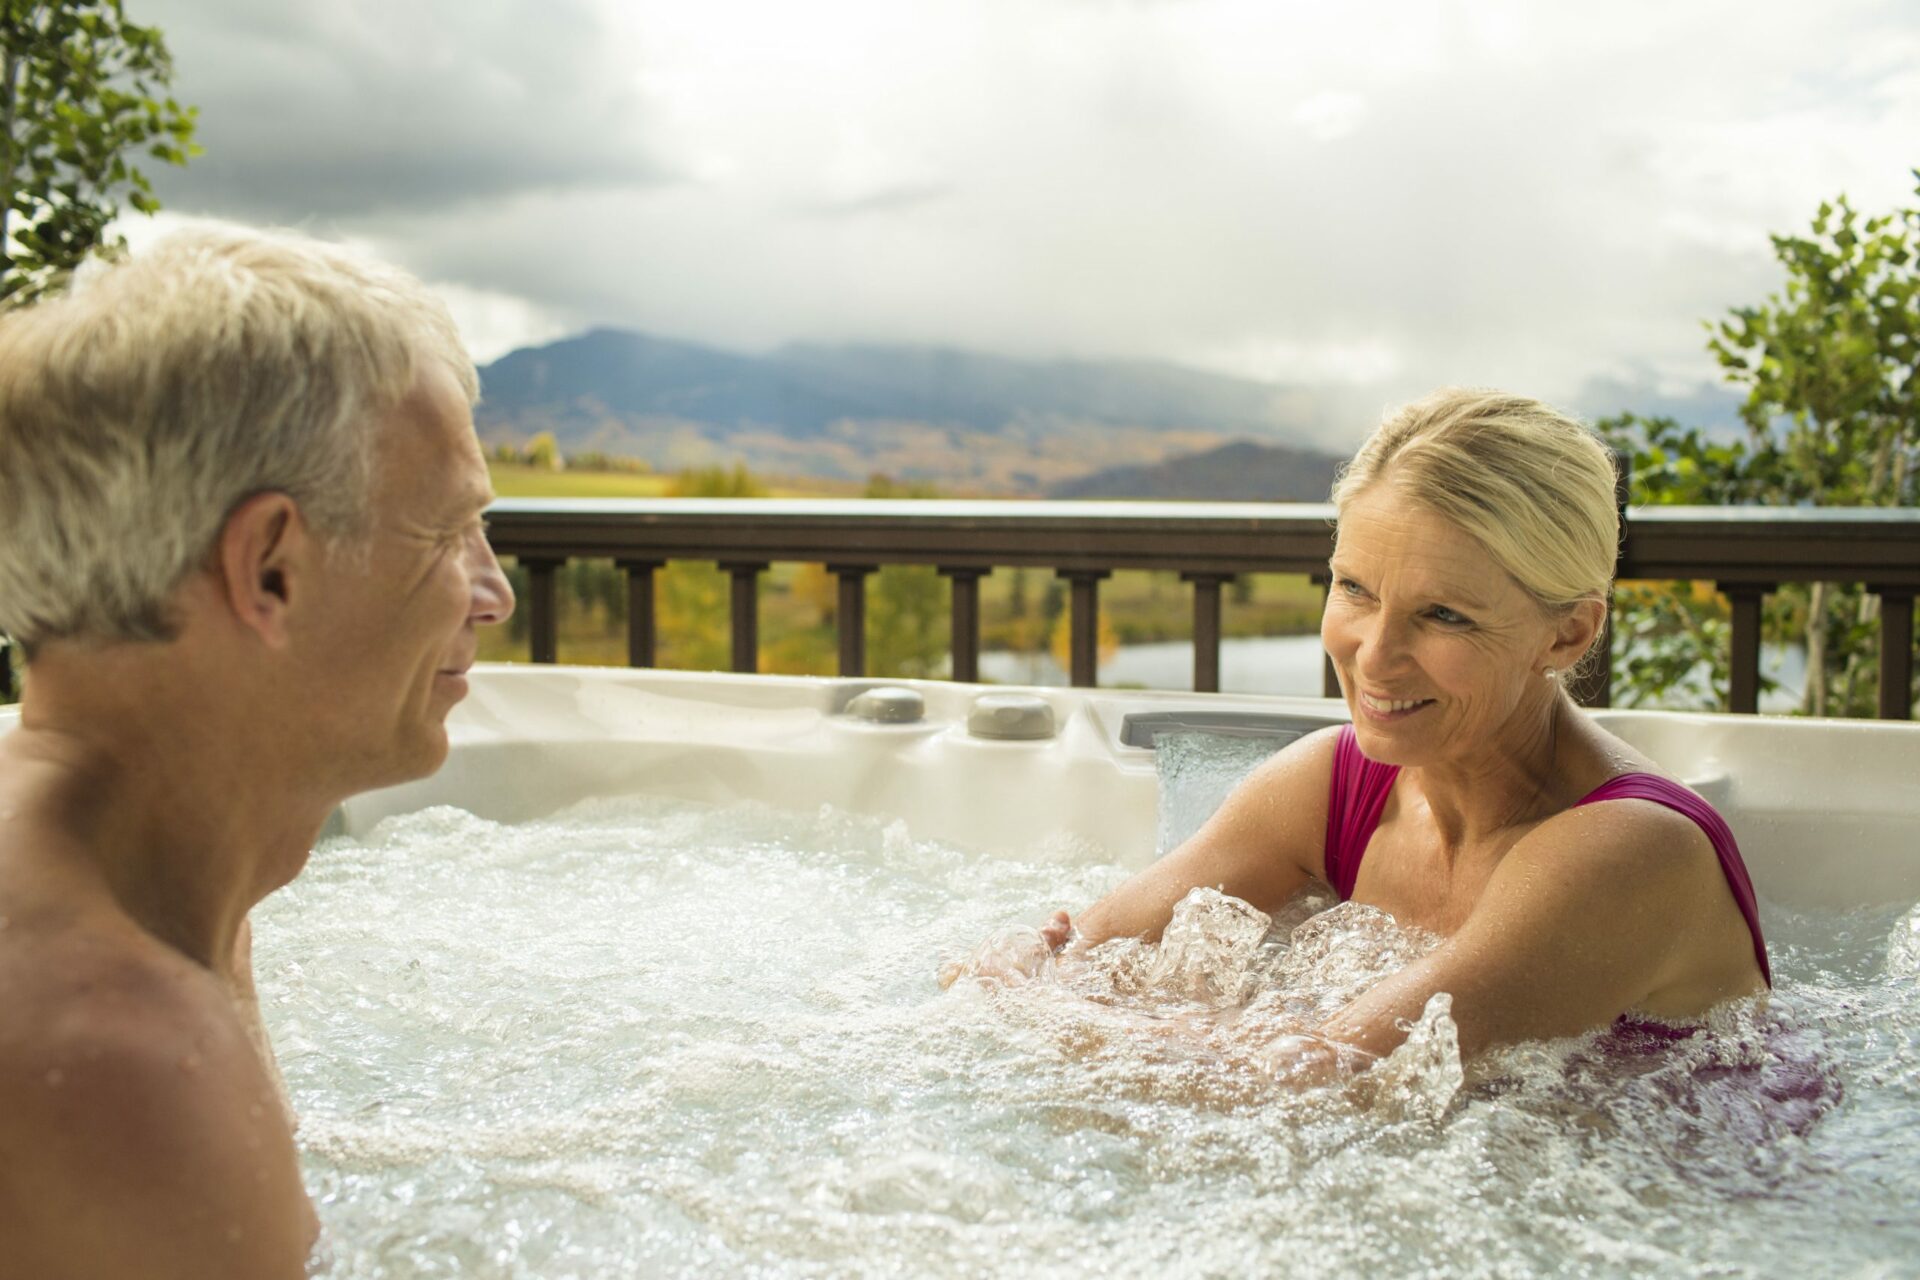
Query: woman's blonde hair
{"x": 138, "y": 409}
{"x": 1531, "y": 485}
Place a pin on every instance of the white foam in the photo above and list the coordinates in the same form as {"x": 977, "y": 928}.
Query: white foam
{"x": 650, "y": 1038}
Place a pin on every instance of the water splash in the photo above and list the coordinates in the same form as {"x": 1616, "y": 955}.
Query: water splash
{"x": 1421, "y": 1078}
{"x": 1903, "y": 948}
{"x": 653, "y": 1038}
{"x": 1196, "y": 772}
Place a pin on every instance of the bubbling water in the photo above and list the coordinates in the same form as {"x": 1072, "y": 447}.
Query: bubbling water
{"x": 647, "y": 1038}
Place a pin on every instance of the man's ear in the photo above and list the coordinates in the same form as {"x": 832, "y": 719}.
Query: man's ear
{"x": 258, "y": 557}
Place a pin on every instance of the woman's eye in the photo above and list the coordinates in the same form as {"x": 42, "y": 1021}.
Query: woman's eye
{"x": 1443, "y": 614}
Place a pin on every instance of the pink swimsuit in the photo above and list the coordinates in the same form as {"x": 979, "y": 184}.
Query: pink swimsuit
{"x": 1359, "y": 795}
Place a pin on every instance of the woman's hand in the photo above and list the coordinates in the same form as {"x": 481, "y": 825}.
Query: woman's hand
{"x": 1013, "y": 954}
{"x": 1057, "y": 932}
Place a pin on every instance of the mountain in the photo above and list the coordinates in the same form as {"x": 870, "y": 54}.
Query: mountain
{"x": 804, "y": 389}
{"x": 1239, "y": 472}
{"x": 961, "y": 419}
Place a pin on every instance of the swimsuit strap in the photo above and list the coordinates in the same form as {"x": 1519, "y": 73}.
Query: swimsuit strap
{"x": 1355, "y": 801}
{"x": 1687, "y": 803}
{"x": 1357, "y": 796}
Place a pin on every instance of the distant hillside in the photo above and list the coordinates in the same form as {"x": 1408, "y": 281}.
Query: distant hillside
{"x": 1239, "y": 472}
{"x": 803, "y": 390}
{"x": 961, "y": 419}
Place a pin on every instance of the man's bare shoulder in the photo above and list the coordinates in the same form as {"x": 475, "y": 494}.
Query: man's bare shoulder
{"x": 138, "y": 1131}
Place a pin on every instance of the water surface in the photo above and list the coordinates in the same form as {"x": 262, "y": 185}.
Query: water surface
{"x": 648, "y": 1038}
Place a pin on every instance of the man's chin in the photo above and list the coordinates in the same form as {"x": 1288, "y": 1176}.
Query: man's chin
{"x": 419, "y": 758}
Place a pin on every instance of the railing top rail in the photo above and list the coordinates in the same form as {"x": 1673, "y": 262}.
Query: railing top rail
{"x": 891, "y": 510}
{"x": 1763, "y": 517}
{"x": 1730, "y": 545}
{"x": 1022, "y": 509}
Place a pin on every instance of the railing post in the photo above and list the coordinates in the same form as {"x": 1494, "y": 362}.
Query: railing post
{"x": 1083, "y": 645}
{"x": 1206, "y": 629}
{"x": 1329, "y": 678}
{"x": 850, "y": 618}
{"x": 1896, "y": 652}
{"x": 1743, "y": 693}
{"x": 543, "y": 618}
{"x": 966, "y": 621}
{"x": 640, "y": 617}
{"x": 746, "y": 612}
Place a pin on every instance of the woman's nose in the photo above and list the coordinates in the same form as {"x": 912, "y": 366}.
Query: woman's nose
{"x": 1382, "y": 647}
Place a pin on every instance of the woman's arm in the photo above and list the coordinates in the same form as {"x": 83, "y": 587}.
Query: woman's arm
{"x": 1588, "y": 915}
{"x": 1262, "y": 845}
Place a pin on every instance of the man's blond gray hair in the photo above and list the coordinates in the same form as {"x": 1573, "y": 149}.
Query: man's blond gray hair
{"x": 141, "y": 407}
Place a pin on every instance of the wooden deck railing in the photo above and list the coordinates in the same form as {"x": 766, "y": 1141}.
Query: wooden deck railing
{"x": 1746, "y": 552}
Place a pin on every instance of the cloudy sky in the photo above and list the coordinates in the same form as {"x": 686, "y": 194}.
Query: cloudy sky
{"x": 1358, "y": 200}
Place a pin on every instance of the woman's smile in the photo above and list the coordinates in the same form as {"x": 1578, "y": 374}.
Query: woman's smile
{"x": 1390, "y": 709}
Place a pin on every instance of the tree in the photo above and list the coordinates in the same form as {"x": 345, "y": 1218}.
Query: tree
{"x": 1829, "y": 367}
{"x": 1832, "y": 413}
{"x": 1672, "y": 645}
{"x": 81, "y": 96}
{"x": 1829, "y": 361}
{"x": 543, "y": 453}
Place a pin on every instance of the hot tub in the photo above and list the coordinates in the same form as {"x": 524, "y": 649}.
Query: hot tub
{"x": 1827, "y": 812}
{"x": 642, "y": 983}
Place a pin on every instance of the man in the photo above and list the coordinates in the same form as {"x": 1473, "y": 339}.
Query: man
{"x": 241, "y": 546}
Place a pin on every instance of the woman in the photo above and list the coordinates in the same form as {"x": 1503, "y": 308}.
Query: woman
{"x": 1570, "y": 880}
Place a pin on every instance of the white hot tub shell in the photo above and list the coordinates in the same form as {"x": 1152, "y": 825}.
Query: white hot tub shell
{"x": 1827, "y": 812}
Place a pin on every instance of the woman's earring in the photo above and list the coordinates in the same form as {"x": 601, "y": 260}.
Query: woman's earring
{"x": 1551, "y": 673}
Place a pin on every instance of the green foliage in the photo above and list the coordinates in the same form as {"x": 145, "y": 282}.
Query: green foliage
{"x": 611, "y": 463}
{"x": 908, "y": 621}
{"x": 543, "y": 453}
{"x": 1671, "y": 644}
{"x": 1828, "y": 363}
{"x": 82, "y": 95}
{"x": 717, "y": 482}
{"x": 908, "y": 624}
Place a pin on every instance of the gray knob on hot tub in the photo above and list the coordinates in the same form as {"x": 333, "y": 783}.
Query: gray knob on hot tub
{"x": 888, "y": 704}
{"x": 1010, "y": 715}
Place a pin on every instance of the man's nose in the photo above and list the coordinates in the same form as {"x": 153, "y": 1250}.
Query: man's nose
{"x": 492, "y": 593}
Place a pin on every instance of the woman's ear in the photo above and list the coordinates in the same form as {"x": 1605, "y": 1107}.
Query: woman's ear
{"x": 257, "y": 558}
{"x": 1575, "y": 633}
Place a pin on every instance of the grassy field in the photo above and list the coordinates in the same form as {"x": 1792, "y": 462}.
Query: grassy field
{"x": 516, "y": 480}
{"x": 512, "y": 480}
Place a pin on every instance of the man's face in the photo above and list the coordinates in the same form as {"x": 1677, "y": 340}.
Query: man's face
{"x": 400, "y": 628}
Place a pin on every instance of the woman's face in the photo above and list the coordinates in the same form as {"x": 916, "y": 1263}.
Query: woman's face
{"x": 1440, "y": 652}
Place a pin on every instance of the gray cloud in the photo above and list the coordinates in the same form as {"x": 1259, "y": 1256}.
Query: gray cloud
{"x": 1490, "y": 192}
{"x": 351, "y": 108}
